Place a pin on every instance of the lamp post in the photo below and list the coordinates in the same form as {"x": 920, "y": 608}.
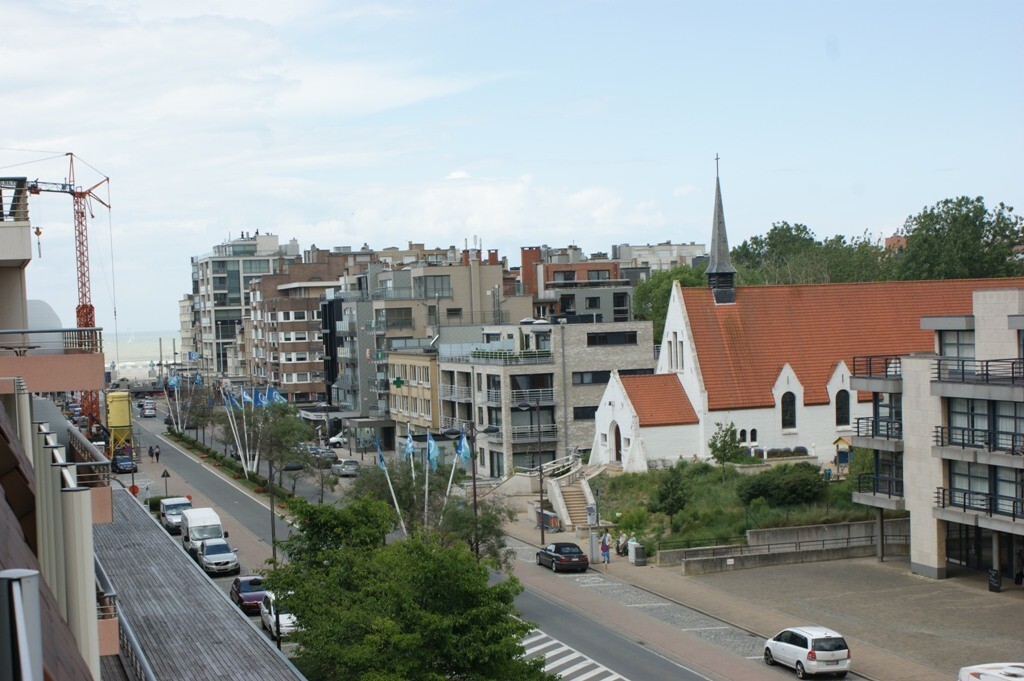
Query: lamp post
{"x": 471, "y": 438}
{"x": 524, "y": 406}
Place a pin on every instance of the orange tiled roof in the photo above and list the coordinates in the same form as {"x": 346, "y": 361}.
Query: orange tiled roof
{"x": 743, "y": 347}
{"x": 659, "y": 399}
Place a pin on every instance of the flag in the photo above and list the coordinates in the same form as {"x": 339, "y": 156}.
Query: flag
{"x": 246, "y": 397}
{"x": 260, "y": 399}
{"x": 274, "y": 397}
{"x": 462, "y": 448}
{"x": 410, "y": 446}
{"x": 198, "y": 380}
{"x": 432, "y": 452}
{"x": 173, "y": 383}
{"x": 229, "y": 399}
{"x": 380, "y": 455}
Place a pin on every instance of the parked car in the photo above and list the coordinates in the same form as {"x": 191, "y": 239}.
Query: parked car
{"x": 246, "y": 592}
{"x": 563, "y": 555}
{"x": 215, "y": 556}
{"x": 337, "y": 441}
{"x": 810, "y": 651}
{"x": 345, "y": 468}
{"x": 293, "y": 465}
{"x": 993, "y": 671}
{"x": 148, "y": 411}
{"x": 268, "y": 620}
{"x": 324, "y": 458}
{"x": 123, "y": 463}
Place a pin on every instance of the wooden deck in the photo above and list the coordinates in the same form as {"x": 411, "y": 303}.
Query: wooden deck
{"x": 185, "y": 624}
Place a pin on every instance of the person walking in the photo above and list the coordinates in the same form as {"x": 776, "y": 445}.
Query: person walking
{"x": 156, "y": 453}
{"x": 606, "y": 549}
{"x": 151, "y": 453}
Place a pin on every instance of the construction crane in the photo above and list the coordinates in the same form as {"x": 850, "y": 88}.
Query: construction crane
{"x": 85, "y": 314}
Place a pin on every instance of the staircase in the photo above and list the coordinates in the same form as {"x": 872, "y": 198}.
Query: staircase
{"x": 576, "y": 503}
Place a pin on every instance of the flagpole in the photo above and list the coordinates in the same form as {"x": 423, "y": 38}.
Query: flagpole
{"x": 387, "y": 476}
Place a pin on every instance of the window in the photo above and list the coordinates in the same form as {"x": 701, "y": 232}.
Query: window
{"x": 432, "y": 286}
{"x": 598, "y": 275}
{"x": 255, "y": 266}
{"x": 593, "y": 303}
{"x": 635, "y": 372}
{"x": 612, "y": 338}
{"x": 566, "y": 275}
{"x": 753, "y": 435}
{"x": 743, "y": 435}
{"x": 453, "y": 312}
{"x": 968, "y": 421}
{"x": 789, "y": 410}
{"x": 843, "y": 408}
{"x": 956, "y": 344}
{"x": 590, "y": 377}
{"x": 567, "y": 304}
{"x": 584, "y": 413}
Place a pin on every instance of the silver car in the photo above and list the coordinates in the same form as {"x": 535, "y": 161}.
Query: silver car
{"x": 215, "y": 556}
{"x": 345, "y": 468}
{"x": 809, "y": 651}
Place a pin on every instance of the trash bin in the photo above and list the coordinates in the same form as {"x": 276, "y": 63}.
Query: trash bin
{"x": 639, "y": 555}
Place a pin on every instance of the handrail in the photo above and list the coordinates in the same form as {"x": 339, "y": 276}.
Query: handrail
{"x": 983, "y": 502}
{"x": 955, "y": 370}
{"x": 725, "y": 550}
{"x": 870, "y": 483}
{"x": 132, "y": 656}
{"x": 877, "y": 366}
{"x": 1004, "y": 441}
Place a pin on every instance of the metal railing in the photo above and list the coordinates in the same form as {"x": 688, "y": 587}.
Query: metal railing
{"x": 500, "y": 357}
{"x": 531, "y": 396}
{"x": 455, "y": 392}
{"x": 526, "y": 433}
{"x": 1004, "y": 441}
{"x": 77, "y": 341}
{"x": 409, "y": 293}
{"x": 869, "y": 483}
{"x": 877, "y": 366}
{"x": 377, "y": 412}
{"x": 723, "y": 548}
{"x": 868, "y": 426}
{"x": 990, "y": 371}
{"x": 448, "y": 422}
{"x": 981, "y": 502}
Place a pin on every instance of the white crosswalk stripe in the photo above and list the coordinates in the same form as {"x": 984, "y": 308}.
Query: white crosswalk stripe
{"x": 565, "y": 662}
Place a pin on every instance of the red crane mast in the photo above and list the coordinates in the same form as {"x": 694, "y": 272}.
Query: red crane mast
{"x": 85, "y": 313}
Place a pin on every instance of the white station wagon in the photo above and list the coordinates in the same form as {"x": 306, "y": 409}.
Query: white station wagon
{"x": 810, "y": 651}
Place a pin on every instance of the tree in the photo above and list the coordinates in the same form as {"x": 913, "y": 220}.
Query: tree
{"x": 413, "y": 609}
{"x": 961, "y": 239}
{"x": 725, "y": 446}
{"x": 651, "y": 297}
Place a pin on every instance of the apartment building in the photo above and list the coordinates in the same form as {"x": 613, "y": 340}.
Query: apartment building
{"x": 220, "y": 293}
{"x": 657, "y": 257}
{"x": 538, "y": 383}
{"x": 946, "y": 435}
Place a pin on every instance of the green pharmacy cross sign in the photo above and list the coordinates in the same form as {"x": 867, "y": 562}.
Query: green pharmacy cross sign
{"x": 398, "y": 382}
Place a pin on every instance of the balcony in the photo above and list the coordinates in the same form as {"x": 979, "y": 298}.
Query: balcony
{"x": 459, "y": 393}
{"x": 879, "y": 491}
{"x": 409, "y": 293}
{"x": 978, "y": 445}
{"x": 877, "y": 374}
{"x": 882, "y": 434}
{"x": 54, "y": 360}
{"x": 498, "y": 357}
{"x": 993, "y": 379}
{"x": 544, "y": 395}
{"x": 992, "y": 511}
{"x": 544, "y": 433}
{"x": 346, "y": 328}
{"x": 452, "y": 422}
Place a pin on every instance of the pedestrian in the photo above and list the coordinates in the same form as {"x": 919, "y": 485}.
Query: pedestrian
{"x": 151, "y": 453}
{"x": 606, "y": 548}
{"x": 620, "y": 546}
{"x": 156, "y": 453}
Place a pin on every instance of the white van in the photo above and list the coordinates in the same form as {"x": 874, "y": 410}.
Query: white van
{"x": 993, "y": 671}
{"x": 170, "y": 512}
{"x": 198, "y": 525}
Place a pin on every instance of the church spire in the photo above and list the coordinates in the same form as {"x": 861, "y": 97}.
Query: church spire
{"x": 720, "y": 270}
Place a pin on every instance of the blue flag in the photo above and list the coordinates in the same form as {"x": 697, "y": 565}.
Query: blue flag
{"x": 410, "y": 446}
{"x": 380, "y": 455}
{"x": 462, "y": 449}
{"x": 260, "y": 399}
{"x": 198, "y": 380}
{"x": 246, "y": 397}
{"x": 274, "y": 397}
{"x": 229, "y": 398}
{"x": 173, "y": 383}
{"x": 432, "y": 452}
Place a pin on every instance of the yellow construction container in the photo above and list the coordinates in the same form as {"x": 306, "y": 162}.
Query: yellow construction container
{"x": 119, "y": 422}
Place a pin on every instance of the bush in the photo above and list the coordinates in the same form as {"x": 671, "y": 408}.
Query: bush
{"x": 783, "y": 485}
{"x": 800, "y": 451}
{"x": 674, "y": 492}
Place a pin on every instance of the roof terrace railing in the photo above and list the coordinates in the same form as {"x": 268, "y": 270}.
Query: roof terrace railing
{"x": 981, "y": 502}
{"x": 868, "y": 426}
{"x": 1004, "y": 441}
{"x": 46, "y": 341}
{"x": 990, "y": 371}
{"x": 877, "y": 366}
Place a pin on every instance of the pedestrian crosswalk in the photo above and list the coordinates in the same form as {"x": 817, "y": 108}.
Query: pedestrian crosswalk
{"x": 565, "y": 662}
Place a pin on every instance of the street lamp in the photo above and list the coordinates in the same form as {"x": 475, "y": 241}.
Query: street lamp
{"x": 524, "y": 406}
{"x": 471, "y": 438}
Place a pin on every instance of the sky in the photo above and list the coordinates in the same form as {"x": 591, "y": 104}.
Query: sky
{"x": 515, "y": 123}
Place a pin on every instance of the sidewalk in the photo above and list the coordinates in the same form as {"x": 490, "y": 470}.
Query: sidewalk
{"x": 899, "y": 625}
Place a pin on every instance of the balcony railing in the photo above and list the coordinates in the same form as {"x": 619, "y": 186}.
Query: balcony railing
{"x": 47, "y": 341}
{"x": 877, "y": 366}
{"x": 991, "y": 371}
{"x": 545, "y": 432}
{"x": 532, "y": 396}
{"x": 455, "y": 392}
{"x": 377, "y": 412}
{"x": 868, "y": 426}
{"x": 500, "y": 357}
{"x": 409, "y": 293}
{"x": 981, "y": 502}
{"x": 869, "y": 483}
{"x": 1004, "y": 441}
{"x": 452, "y": 422}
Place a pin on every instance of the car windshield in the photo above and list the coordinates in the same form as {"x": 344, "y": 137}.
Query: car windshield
{"x": 571, "y": 549}
{"x": 217, "y": 549}
{"x": 206, "y": 532}
{"x": 829, "y": 645}
{"x": 251, "y": 586}
{"x": 176, "y": 509}
{"x": 122, "y": 459}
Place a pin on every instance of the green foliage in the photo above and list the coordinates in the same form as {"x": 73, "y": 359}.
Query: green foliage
{"x": 783, "y": 485}
{"x": 362, "y": 524}
{"x": 673, "y": 493}
{"x": 725, "y": 446}
{"x": 960, "y": 239}
{"x": 650, "y": 297}
{"x": 414, "y": 609}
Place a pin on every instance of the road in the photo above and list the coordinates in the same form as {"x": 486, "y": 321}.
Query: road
{"x": 591, "y": 625}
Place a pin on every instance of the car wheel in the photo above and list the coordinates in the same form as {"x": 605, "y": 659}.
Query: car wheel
{"x": 554, "y": 565}
{"x": 538, "y": 560}
{"x": 768, "y": 659}
{"x": 841, "y": 675}
{"x": 800, "y": 673}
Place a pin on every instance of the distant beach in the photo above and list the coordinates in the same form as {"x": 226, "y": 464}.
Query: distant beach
{"x": 136, "y": 354}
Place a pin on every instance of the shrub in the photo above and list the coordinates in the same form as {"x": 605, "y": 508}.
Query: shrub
{"x": 800, "y": 451}
{"x": 674, "y": 492}
{"x": 784, "y": 485}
